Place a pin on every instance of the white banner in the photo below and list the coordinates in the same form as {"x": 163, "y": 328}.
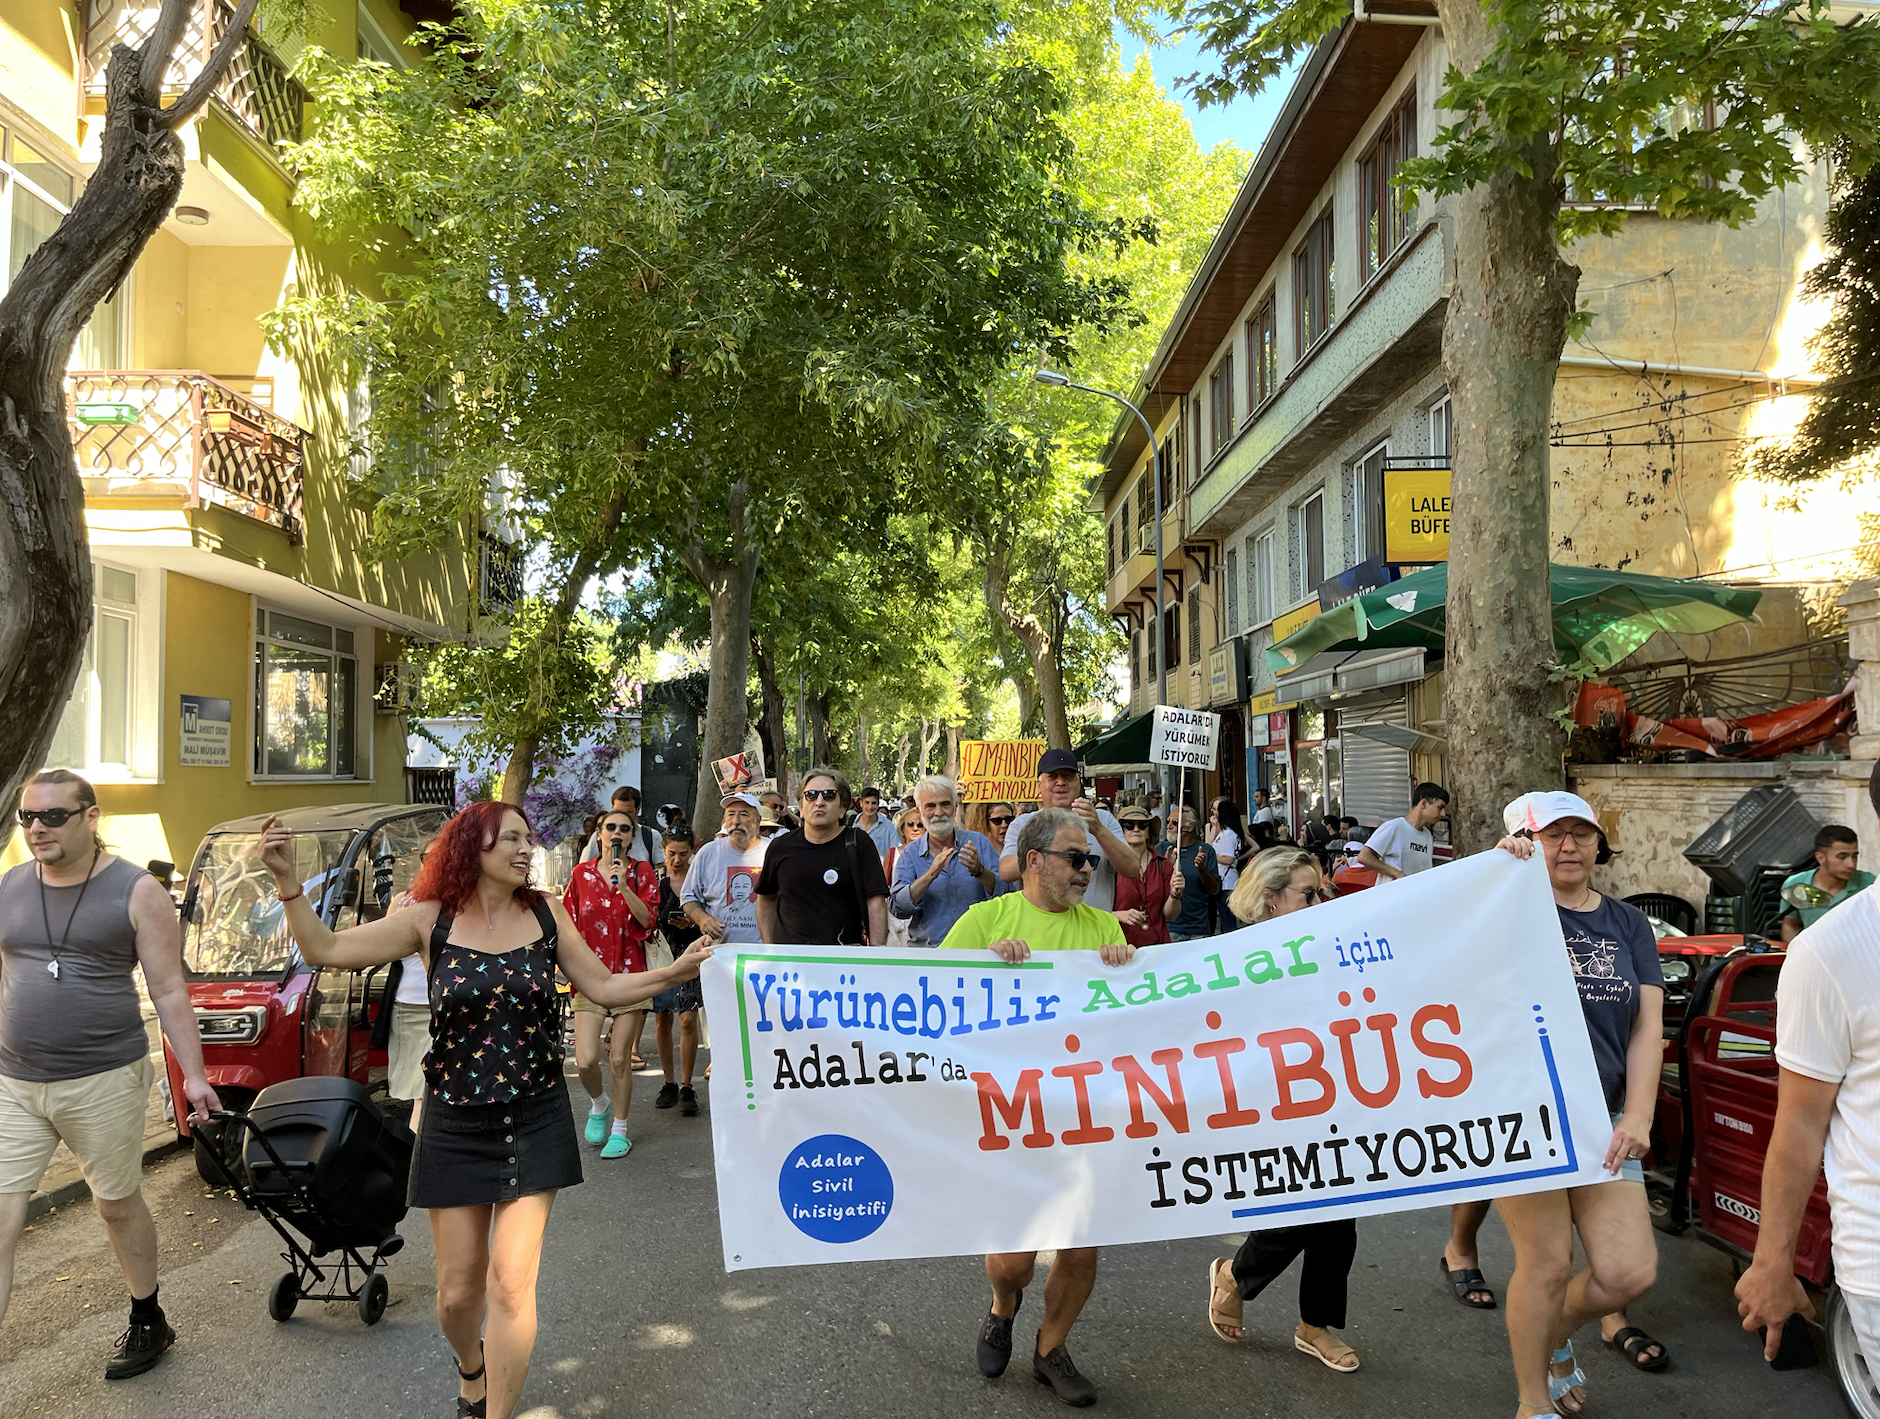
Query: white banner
{"x": 1416, "y": 1044}
{"x": 1183, "y": 737}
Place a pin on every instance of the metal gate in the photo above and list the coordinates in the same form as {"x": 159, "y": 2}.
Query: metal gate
{"x": 1376, "y": 775}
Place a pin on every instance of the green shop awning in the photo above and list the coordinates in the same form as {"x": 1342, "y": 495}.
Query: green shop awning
{"x": 1123, "y": 746}
{"x": 1600, "y": 617}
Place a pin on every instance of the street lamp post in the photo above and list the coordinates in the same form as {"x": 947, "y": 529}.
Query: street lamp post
{"x": 1060, "y": 381}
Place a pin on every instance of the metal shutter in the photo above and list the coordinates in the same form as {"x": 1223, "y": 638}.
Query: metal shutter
{"x": 1376, "y": 776}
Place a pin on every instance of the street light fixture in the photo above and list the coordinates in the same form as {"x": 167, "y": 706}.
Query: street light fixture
{"x": 1061, "y": 381}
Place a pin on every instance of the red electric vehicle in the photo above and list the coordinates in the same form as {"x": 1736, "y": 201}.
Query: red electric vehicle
{"x": 265, "y": 1014}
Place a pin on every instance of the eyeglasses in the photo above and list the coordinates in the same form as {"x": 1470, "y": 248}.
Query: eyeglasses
{"x": 615, "y": 828}
{"x": 999, "y": 822}
{"x": 1585, "y": 835}
{"x": 51, "y": 817}
{"x": 820, "y": 795}
{"x": 1078, "y": 860}
{"x": 1132, "y": 826}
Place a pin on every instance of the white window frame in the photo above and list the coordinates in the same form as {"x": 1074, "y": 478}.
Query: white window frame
{"x": 12, "y": 180}
{"x": 1443, "y": 417}
{"x": 362, "y": 656}
{"x": 1303, "y": 585}
{"x": 1267, "y": 587}
{"x": 1355, "y": 480}
{"x": 143, "y": 735}
{"x": 372, "y": 35}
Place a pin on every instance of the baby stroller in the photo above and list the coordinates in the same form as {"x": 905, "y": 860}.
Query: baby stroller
{"x": 317, "y": 1154}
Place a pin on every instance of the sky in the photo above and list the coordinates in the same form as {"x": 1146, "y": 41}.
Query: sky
{"x": 1245, "y": 121}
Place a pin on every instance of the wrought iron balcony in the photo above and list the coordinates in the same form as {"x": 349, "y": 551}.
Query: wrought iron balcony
{"x": 257, "y": 91}
{"x": 187, "y": 435}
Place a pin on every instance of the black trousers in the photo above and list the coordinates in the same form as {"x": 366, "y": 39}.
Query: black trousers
{"x": 1329, "y": 1248}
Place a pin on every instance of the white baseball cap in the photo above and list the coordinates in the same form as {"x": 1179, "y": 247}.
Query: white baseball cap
{"x": 749, "y": 798}
{"x": 1534, "y": 811}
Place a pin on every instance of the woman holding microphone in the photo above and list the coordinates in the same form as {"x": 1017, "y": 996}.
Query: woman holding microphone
{"x": 496, "y": 1139}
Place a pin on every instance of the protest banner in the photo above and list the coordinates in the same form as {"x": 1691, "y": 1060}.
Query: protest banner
{"x": 1414, "y": 1045}
{"x": 1185, "y": 738}
{"x": 738, "y": 772}
{"x": 999, "y": 770}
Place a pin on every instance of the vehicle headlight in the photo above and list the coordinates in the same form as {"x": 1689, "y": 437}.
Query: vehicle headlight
{"x": 231, "y": 1027}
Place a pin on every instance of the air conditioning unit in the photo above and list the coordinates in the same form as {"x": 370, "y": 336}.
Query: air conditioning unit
{"x": 397, "y": 689}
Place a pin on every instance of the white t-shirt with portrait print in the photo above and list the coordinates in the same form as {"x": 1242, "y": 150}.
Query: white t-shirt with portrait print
{"x": 1828, "y": 1028}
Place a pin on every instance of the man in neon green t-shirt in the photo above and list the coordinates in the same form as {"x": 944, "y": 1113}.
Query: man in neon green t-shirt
{"x": 1047, "y": 915}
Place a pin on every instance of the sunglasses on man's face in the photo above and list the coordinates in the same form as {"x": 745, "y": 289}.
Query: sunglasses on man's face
{"x": 821, "y": 795}
{"x": 1077, "y": 860}
{"x": 51, "y": 817}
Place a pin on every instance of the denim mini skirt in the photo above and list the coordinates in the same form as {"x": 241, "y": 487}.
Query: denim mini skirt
{"x": 472, "y": 1155}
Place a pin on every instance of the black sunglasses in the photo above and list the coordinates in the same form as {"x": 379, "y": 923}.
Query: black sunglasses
{"x": 1077, "y": 860}
{"x": 821, "y": 795}
{"x": 999, "y": 822}
{"x": 615, "y": 828}
{"x": 51, "y": 817}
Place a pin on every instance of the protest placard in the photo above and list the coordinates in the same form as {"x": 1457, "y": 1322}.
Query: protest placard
{"x": 1185, "y": 738}
{"x": 738, "y": 772}
{"x": 999, "y": 770}
{"x": 1395, "y": 1049}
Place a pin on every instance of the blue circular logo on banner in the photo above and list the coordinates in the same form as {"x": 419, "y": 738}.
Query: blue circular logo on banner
{"x": 835, "y": 1188}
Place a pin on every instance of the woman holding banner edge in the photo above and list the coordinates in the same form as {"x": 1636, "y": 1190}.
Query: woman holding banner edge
{"x": 1278, "y": 882}
{"x": 1615, "y": 967}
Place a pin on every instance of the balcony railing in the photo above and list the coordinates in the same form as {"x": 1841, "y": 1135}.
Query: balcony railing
{"x": 185, "y": 434}
{"x": 257, "y": 90}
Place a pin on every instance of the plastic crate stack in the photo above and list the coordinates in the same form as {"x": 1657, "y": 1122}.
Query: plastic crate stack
{"x": 1747, "y": 853}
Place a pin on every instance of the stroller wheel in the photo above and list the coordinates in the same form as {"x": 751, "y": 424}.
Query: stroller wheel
{"x": 372, "y": 1299}
{"x": 284, "y": 1297}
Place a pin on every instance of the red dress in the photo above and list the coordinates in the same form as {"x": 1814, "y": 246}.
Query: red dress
{"x": 600, "y": 911}
{"x": 1147, "y": 892}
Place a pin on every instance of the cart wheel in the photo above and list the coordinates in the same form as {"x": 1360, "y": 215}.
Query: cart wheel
{"x": 1858, "y": 1383}
{"x": 284, "y": 1297}
{"x": 372, "y": 1299}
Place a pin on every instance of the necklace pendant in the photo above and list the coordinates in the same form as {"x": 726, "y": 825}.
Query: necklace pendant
{"x": 52, "y": 969}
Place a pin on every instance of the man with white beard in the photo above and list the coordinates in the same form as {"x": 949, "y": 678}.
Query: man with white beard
{"x": 943, "y": 871}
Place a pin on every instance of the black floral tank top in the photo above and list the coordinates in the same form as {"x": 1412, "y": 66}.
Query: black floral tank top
{"x": 496, "y": 1019}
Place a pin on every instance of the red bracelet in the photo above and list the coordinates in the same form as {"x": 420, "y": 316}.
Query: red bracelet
{"x": 301, "y": 892}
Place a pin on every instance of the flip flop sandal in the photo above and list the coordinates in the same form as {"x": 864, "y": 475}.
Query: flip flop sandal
{"x": 1559, "y": 1385}
{"x": 1635, "y": 1342}
{"x": 1464, "y": 1281}
{"x": 1219, "y": 1315}
{"x": 1306, "y": 1347}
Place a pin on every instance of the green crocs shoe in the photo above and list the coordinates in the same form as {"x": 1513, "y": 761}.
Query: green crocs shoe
{"x": 597, "y": 1124}
{"x": 617, "y": 1146}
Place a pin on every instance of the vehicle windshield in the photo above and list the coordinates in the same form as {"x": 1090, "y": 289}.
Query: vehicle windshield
{"x": 238, "y": 926}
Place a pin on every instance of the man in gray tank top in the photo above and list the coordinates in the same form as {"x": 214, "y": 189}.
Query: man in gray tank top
{"x": 74, "y": 1064}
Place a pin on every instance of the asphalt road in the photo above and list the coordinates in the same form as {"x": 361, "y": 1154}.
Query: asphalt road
{"x": 638, "y": 1317}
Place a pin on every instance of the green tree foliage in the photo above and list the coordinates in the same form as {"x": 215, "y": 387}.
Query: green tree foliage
{"x": 1842, "y": 425}
{"x": 743, "y": 271}
{"x": 1039, "y": 539}
{"x": 1692, "y": 109}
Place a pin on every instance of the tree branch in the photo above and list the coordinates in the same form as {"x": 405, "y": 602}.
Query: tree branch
{"x": 204, "y": 84}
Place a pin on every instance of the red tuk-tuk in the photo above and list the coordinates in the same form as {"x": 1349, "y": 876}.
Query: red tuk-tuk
{"x": 1722, "y": 1090}
{"x": 264, "y": 1014}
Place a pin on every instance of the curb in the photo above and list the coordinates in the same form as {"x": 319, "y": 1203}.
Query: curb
{"x": 77, "y": 1190}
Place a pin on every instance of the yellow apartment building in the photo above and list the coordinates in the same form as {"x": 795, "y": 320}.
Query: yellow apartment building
{"x": 245, "y": 649}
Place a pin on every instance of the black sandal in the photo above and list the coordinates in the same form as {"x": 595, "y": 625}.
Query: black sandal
{"x": 1635, "y": 1342}
{"x": 472, "y": 1408}
{"x": 1464, "y": 1281}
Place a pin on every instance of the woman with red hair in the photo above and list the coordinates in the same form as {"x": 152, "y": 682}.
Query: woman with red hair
{"x": 496, "y": 1139}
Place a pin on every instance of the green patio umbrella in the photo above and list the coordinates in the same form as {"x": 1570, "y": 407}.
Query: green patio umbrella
{"x": 1600, "y": 617}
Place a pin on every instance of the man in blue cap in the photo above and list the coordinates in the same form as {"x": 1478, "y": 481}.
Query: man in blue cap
{"x": 1061, "y": 785}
